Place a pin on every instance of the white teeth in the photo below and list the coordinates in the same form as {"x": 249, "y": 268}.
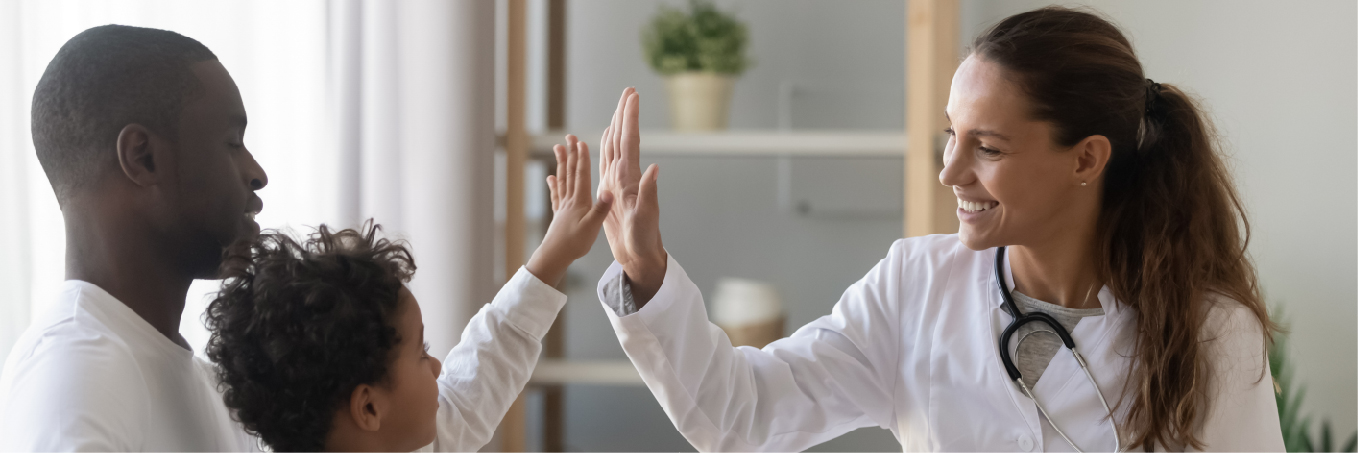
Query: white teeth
{"x": 250, "y": 215}
{"x": 975, "y": 206}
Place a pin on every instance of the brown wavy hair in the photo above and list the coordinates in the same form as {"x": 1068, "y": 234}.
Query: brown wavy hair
{"x": 1172, "y": 230}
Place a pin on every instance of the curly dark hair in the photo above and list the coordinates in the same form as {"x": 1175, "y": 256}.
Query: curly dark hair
{"x": 301, "y": 324}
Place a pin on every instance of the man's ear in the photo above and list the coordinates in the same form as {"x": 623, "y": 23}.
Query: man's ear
{"x": 1091, "y": 157}
{"x": 367, "y": 406}
{"x": 137, "y": 154}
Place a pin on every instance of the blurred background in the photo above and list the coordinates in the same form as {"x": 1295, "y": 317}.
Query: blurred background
{"x": 436, "y": 118}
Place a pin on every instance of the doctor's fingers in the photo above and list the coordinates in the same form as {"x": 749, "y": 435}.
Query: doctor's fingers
{"x": 647, "y": 190}
{"x": 630, "y": 140}
{"x": 604, "y": 160}
{"x": 618, "y": 115}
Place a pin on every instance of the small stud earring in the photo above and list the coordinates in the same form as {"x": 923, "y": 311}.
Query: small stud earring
{"x": 1084, "y": 184}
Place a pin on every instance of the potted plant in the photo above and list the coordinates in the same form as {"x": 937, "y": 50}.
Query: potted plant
{"x": 1289, "y": 394}
{"x": 700, "y": 53}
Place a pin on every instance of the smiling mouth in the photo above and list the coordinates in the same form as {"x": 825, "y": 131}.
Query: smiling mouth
{"x": 976, "y": 206}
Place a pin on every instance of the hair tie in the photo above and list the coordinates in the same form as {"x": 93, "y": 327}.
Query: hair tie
{"x": 1152, "y": 95}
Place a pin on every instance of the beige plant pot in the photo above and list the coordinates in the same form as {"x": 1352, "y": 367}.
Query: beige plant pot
{"x": 699, "y": 101}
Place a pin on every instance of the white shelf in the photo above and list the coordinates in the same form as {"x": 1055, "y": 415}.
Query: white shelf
{"x": 607, "y": 372}
{"x": 827, "y": 143}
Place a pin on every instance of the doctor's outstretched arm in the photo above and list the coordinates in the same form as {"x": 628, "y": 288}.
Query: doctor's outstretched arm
{"x": 832, "y": 376}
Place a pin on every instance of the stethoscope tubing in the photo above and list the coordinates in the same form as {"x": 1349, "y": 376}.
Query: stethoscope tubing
{"x": 1021, "y": 319}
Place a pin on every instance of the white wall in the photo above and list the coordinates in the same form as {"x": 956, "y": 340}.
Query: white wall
{"x": 1279, "y": 79}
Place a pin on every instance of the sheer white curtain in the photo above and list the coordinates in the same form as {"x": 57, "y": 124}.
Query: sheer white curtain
{"x": 413, "y": 88}
{"x": 351, "y": 115}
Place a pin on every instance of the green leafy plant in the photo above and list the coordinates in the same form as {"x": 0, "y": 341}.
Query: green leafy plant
{"x": 701, "y": 39}
{"x": 1296, "y": 428}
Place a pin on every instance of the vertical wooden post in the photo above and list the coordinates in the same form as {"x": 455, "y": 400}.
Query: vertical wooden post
{"x": 556, "y": 64}
{"x": 514, "y": 426}
{"x": 931, "y": 58}
{"x": 554, "y": 345}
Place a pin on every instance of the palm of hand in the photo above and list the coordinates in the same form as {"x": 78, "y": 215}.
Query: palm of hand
{"x": 633, "y": 222}
{"x": 576, "y": 217}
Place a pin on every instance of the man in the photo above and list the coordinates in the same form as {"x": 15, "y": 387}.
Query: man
{"x": 140, "y": 133}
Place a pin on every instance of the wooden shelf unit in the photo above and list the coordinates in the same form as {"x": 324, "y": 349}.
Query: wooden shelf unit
{"x": 829, "y": 143}
{"x": 931, "y": 58}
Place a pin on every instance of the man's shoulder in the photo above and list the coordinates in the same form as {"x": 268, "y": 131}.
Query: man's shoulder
{"x": 69, "y": 344}
{"x": 63, "y": 334}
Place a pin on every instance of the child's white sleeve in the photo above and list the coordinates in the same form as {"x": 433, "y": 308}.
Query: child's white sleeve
{"x": 486, "y": 371}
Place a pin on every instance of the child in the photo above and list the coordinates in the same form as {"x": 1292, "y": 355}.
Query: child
{"x": 319, "y": 345}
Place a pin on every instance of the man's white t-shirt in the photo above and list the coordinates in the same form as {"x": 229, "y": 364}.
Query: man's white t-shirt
{"x": 92, "y": 375}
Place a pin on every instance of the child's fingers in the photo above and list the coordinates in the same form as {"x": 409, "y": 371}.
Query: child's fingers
{"x": 582, "y": 169}
{"x": 571, "y": 140}
{"x": 560, "y": 153}
{"x": 552, "y": 181}
{"x": 551, "y": 188}
{"x": 567, "y": 175}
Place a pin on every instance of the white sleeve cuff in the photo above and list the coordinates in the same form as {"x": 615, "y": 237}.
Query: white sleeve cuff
{"x": 529, "y": 304}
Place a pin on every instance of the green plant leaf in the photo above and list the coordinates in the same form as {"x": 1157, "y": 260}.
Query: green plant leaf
{"x": 1289, "y": 396}
{"x": 701, "y": 39}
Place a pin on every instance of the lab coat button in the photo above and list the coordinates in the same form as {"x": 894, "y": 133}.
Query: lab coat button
{"x": 1025, "y": 443}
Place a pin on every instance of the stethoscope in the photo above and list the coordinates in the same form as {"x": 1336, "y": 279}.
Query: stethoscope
{"x": 1019, "y": 320}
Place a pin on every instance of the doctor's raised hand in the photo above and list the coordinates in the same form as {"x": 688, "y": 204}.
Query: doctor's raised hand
{"x": 633, "y": 223}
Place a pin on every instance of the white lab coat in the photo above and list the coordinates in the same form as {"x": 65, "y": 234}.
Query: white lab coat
{"x": 912, "y": 348}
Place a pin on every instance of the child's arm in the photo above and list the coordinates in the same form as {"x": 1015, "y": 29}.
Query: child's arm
{"x": 486, "y": 371}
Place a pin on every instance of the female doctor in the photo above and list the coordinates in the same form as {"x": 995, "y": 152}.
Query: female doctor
{"x": 1097, "y": 296}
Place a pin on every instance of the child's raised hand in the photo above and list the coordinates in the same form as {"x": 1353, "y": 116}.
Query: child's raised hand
{"x": 576, "y": 218}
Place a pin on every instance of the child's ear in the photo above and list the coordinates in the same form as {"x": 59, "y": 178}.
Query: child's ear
{"x": 367, "y": 406}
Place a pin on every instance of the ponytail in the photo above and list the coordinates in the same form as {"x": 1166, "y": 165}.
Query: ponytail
{"x": 1174, "y": 234}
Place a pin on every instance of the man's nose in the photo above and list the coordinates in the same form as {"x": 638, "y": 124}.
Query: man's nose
{"x": 255, "y": 173}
